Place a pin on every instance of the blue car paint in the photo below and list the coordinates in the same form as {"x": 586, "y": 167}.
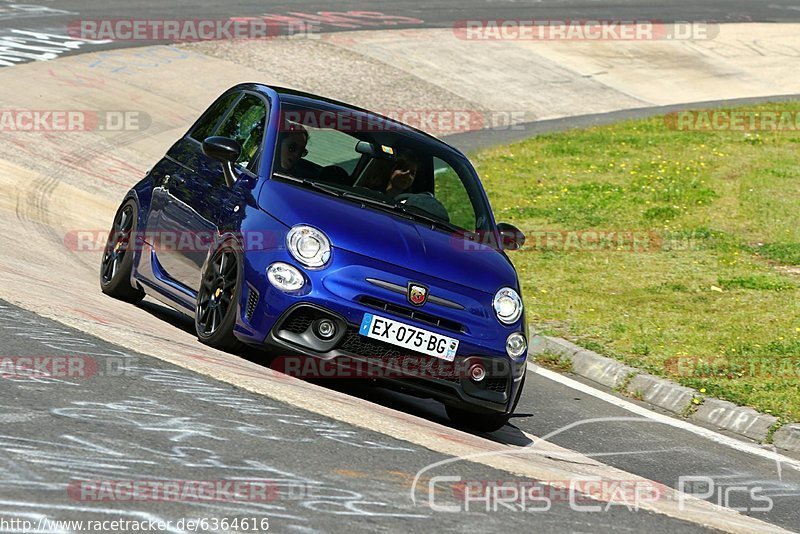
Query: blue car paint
{"x": 366, "y": 243}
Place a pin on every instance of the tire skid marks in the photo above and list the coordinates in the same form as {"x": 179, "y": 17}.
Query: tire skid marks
{"x": 155, "y": 415}
{"x": 96, "y": 160}
{"x": 160, "y": 440}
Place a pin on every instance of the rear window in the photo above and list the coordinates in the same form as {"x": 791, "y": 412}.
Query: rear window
{"x": 332, "y": 147}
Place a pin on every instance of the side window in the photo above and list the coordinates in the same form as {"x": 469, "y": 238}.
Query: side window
{"x": 246, "y": 125}
{"x": 205, "y": 128}
{"x": 450, "y": 191}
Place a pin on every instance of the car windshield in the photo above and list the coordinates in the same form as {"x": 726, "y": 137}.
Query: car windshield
{"x": 365, "y": 159}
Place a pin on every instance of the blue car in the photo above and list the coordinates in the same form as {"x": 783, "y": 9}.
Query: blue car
{"x": 318, "y": 230}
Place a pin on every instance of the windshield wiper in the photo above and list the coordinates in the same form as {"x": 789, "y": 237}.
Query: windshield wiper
{"x": 310, "y": 183}
{"x": 383, "y": 204}
{"x": 430, "y": 219}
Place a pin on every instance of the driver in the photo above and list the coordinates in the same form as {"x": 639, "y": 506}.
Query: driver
{"x": 398, "y": 178}
{"x": 292, "y": 146}
{"x": 402, "y": 173}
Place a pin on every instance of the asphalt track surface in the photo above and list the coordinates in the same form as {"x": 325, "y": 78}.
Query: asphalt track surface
{"x": 56, "y": 17}
{"x": 160, "y": 421}
{"x": 139, "y": 418}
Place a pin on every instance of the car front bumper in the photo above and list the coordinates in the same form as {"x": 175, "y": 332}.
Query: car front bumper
{"x": 283, "y": 322}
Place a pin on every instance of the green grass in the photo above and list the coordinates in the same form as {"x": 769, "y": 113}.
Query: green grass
{"x": 715, "y": 283}
{"x": 785, "y": 253}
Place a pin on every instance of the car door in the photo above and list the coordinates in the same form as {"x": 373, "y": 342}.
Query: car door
{"x": 170, "y": 210}
{"x": 198, "y": 203}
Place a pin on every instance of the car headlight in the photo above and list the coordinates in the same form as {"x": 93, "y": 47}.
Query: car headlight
{"x": 309, "y": 246}
{"x": 507, "y": 305}
{"x": 285, "y": 277}
{"x": 516, "y": 345}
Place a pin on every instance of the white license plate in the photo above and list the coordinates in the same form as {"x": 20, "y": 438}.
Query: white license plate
{"x": 408, "y": 337}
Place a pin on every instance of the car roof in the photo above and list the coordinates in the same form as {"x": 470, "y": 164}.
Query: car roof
{"x": 294, "y": 96}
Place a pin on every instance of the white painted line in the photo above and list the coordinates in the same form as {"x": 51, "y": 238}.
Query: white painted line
{"x": 665, "y": 419}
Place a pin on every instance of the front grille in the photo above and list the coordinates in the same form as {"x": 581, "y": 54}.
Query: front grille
{"x": 299, "y": 321}
{"x": 417, "y": 315}
{"x": 356, "y": 344}
{"x": 252, "y": 302}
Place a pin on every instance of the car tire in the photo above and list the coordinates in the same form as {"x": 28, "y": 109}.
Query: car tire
{"x": 116, "y": 264}
{"x": 216, "y": 305}
{"x": 481, "y": 421}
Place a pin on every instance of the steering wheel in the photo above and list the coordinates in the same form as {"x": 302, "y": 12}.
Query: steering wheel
{"x": 425, "y": 202}
{"x": 405, "y": 196}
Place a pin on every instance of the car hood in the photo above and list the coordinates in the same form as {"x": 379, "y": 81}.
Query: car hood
{"x": 389, "y": 238}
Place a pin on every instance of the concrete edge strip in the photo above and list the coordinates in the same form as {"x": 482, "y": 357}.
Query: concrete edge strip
{"x": 487, "y": 138}
{"x": 668, "y": 395}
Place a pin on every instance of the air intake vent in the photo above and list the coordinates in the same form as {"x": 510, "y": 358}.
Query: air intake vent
{"x": 299, "y": 321}
{"x": 498, "y": 384}
{"x": 252, "y": 302}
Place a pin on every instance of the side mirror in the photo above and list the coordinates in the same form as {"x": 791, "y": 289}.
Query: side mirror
{"x": 226, "y": 151}
{"x": 222, "y": 149}
{"x": 511, "y": 237}
{"x": 375, "y": 150}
